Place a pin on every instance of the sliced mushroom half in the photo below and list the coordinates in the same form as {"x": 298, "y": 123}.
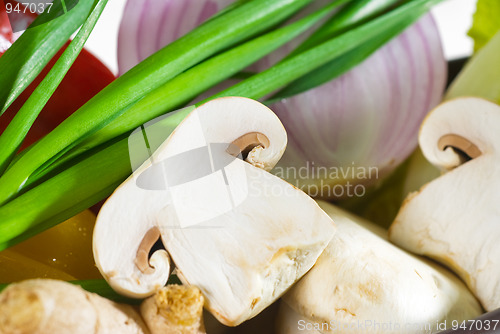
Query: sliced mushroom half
{"x": 363, "y": 283}
{"x": 240, "y": 234}
{"x": 455, "y": 218}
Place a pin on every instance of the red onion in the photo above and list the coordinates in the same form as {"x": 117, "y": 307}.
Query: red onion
{"x": 346, "y": 133}
{"x": 362, "y": 125}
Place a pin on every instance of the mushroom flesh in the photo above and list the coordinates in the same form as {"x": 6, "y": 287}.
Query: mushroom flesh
{"x": 239, "y": 233}
{"x": 455, "y": 219}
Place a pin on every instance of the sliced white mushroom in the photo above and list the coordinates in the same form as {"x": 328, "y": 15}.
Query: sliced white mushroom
{"x": 363, "y": 283}
{"x": 240, "y": 234}
{"x": 455, "y": 219}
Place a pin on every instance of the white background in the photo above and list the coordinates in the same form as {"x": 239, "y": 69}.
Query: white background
{"x": 454, "y": 18}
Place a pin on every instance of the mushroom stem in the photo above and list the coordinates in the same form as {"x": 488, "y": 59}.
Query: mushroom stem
{"x": 142, "y": 259}
{"x": 462, "y": 144}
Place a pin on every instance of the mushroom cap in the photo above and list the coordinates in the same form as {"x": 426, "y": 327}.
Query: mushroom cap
{"x": 455, "y": 218}
{"x": 240, "y": 234}
{"x": 361, "y": 278}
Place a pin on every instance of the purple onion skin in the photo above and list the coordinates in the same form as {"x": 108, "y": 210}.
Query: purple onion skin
{"x": 358, "y": 128}
{"x": 149, "y": 25}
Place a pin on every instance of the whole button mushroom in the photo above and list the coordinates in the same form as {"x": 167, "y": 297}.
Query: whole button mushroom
{"x": 363, "y": 283}
{"x": 455, "y": 218}
{"x": 239, "y": 233}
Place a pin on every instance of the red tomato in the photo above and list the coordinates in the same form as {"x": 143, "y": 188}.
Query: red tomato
{"x": 6, "y": 37}
{"x": 86, "y": 77}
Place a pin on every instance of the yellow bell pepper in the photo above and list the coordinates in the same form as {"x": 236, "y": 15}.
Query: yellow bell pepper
{"x": 65, "y": 248}
{"x": 16, "y": 267}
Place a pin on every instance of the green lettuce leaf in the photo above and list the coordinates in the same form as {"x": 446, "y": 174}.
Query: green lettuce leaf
{"x": 486, "y": 22}
{"x": 481, "y": 75}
